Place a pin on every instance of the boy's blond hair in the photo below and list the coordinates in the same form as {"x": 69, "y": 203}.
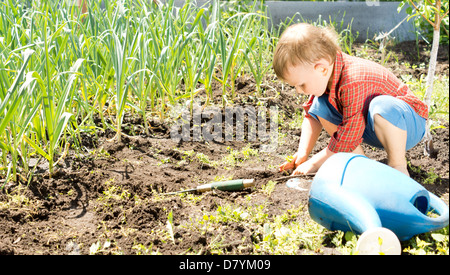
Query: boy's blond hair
{"x": 302, "y": 44}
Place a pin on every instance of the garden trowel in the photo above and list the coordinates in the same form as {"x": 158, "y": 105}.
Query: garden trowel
{"x": 229, "y": 185}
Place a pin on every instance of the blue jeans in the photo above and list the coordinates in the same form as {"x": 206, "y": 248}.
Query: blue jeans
{"x": 394, "y": 110}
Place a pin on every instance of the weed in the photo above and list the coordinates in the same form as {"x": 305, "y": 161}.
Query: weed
{"x": 269, "y": 187}
{"x": 296, "y": 122}
{"x": 17, "y": 200}
{"x": 143, "y": 250}
{"x": 440, "y": 98}
{"x": 345, "y": 242}
{"x": 98, "y": 247}
{"x": 280, "y": 238}
{"x": 248, "y": 152}
{"x": 431, "y": 177}
{"x": 99, "y": 153}
{"x": 169, "y": 226}
{"x": 115, "y": 193}
{"x": 431, "y": 243}
{"x": 204, "y": 159}
{"x": 427, "y": 177}
{"x": 111, "y": 195}
{"x": 190, "y": 199}
{"x": 236, "y": 157}
{"x": 289, "y": 158}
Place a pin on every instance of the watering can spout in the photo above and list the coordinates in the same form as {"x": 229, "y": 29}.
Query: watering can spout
{"x": 436, "y": 207}
{"x": 354, "y": 193}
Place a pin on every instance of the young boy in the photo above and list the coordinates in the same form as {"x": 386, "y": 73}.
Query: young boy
{"x": 355, "y": 100}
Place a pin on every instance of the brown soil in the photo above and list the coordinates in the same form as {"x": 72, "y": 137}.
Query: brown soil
{"x": 109, "y": 192}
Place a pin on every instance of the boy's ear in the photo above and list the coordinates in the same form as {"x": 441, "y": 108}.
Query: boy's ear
{"x": 321, "y": 68}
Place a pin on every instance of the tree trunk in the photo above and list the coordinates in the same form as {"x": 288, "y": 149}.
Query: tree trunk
{"x": 429, "y": 150}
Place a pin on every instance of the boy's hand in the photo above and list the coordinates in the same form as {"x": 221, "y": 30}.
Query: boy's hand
{"x": 291, "y": 163}
{"x": 305, "y": 168}
{"x": 313, "y": 164}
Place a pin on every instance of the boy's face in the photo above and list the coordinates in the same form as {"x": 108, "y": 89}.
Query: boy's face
{"x": 310, "y": 79}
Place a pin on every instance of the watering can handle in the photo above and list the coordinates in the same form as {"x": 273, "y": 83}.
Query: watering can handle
{"x": 439, "y": 207}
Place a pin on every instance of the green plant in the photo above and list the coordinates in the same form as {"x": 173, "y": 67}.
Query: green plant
{"x": 144, "y": 250}
{"x": 286, "y": 236}
{"x": 438, "y": 110}
{"x": 296, "y": 122}
{"x": 169, "y": 226}
{"x": 431, "y": 178}
{"x": 10, "y": 106}
{"x": 268, "y": 187}
{"x": 346, "y": 36}
{"x": 258, "y": 67}
{"x": 98, "y": 247}
{"x": 423, "y": 12}
{"x": 62, "y": 65}
{"x": 438, "y": 12}
{"x": 235, "y": 157}
{"x": 432, "y": 243}
{"x": 112, "y": 193}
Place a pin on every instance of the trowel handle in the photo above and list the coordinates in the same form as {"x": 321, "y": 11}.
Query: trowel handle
{"x": 229, "y": 185}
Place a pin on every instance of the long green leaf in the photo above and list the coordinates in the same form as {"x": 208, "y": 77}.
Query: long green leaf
{"x": 60, "y": 127}
{"x": 73, "y": 76}
{"x": 37, "y": 148}
{"x": 10, "y": 97}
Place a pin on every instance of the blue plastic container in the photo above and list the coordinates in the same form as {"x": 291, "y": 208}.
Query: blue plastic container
{"x": 354, "y": 193}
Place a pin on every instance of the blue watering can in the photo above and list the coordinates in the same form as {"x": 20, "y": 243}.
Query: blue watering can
{"x": 354, "y": 193}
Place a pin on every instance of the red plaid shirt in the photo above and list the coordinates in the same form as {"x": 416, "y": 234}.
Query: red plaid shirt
{"x": 355, "y": 83}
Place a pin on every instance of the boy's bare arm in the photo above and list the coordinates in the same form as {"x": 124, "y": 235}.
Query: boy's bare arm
{"x": 311, "y": 129}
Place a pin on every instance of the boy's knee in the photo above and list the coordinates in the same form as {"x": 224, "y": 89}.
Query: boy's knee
{"x": 391, "y": 114}
{"x": 389, "y": 109}
{"x": 380, "y": 122}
